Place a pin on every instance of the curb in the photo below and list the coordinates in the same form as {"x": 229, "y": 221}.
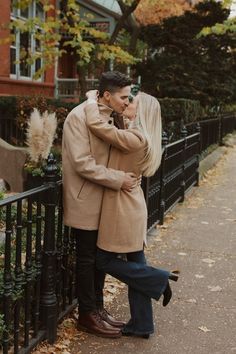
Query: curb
{"x": 211, "y": 160}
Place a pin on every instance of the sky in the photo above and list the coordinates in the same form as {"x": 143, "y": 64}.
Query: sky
{"x": 233, "y": 9}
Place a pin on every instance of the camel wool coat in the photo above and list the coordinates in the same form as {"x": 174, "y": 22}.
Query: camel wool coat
{"x": 84, "y": 170}
{"x": 123, "y": 223}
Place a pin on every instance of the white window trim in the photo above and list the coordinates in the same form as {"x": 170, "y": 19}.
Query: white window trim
{"x": 16, "y": 15}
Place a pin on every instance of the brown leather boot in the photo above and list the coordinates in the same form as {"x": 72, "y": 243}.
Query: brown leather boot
{"x": 109, "y": 319}
{"x": 93, "y": 323}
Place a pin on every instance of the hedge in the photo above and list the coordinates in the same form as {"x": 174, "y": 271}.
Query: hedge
{"x": 175, "y": 111}
{"x": 19, "y": 108}
{"x": 180, "y": 109}
{"x": 15, "y": 106}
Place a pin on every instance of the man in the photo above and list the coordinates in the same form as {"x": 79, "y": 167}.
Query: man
{"x": 84, "y": 161}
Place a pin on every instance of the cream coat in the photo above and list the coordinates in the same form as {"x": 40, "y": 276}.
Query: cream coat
{"x": 123, "y": 223}
{"x": 84, "y": 161}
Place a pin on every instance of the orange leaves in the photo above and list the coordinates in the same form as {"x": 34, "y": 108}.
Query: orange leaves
{"x": 153, "y": 12}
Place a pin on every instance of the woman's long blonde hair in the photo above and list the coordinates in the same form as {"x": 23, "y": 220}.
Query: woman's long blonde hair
{"x": 149, "y": 121}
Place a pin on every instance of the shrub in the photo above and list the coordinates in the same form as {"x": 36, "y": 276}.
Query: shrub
{"x": 177, "y": 112}
{"x": 180, "y": 109}
{"x": 7, "y": 107}
{"x": 20, "y": 108}
{"x": 2, "y": 327}
{"x": 1, "y": 209}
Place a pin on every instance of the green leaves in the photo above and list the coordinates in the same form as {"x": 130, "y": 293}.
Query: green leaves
{"x": 182, "y": 64}
{"x": 67, "y": 29}
{"x": 220, "y": 28}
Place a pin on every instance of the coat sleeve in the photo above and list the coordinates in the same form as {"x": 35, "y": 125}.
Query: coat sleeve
{"x": 125, "y": 140}
{"x": 77, "y": 147}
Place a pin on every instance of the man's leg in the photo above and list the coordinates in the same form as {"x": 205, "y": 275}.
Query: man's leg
{"x": 89, "y": 318}
{"x": 86, "y": 254}
{"x": 99, "y": 280}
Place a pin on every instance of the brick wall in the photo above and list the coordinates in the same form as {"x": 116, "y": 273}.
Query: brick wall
{"x": 9, "y": 86}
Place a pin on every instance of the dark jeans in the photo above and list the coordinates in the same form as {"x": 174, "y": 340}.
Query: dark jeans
{"x": 90, "y": 280}
{"x": 144, "y": 283}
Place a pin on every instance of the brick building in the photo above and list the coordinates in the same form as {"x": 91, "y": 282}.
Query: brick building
{"x": 17, "y": 79}
{"x": 59, "y": 81}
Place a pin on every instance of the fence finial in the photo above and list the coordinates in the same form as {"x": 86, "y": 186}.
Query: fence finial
{"x": 184, "y": 132}
{"x": 165, "y": 139}
{"x": 51, "y": 169}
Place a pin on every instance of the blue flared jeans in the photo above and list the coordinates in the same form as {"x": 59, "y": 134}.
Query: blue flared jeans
{"x": 144, "y": 283}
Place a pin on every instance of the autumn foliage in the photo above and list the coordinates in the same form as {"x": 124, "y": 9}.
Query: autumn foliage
{"x": 154, "y": 11}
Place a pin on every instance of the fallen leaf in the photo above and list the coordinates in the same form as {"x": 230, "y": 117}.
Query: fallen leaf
{"x": 215, "y": 288}
{"x": 199, "y": 276}
{"x": 204, "y": 329}
{"x": 192, "y": 301}
{"x": 208, "y": 260}
{"x": 111, "y": 290}
{"x": 163, "y": 227}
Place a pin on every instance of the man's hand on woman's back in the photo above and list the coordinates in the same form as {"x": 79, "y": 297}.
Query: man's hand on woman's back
{"x": 130, "y": 181}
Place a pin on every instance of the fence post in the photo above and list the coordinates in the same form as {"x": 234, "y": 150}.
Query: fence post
{"x": 48, "y": 301}
{"x": 183, "y": 135}
{"x": 7, "y": 283}
{"x": 162, "y": 181}
{"x": 221, "y": 131}
{"x": 198, "y": 130}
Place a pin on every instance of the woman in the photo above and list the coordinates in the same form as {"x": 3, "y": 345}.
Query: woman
{"x": 123, "y": 222}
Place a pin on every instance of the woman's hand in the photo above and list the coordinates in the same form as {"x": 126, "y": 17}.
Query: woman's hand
{"x": 92, "y": 94}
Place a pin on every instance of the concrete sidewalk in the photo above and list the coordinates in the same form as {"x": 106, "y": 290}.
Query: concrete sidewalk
{"x": 199, "y": 238}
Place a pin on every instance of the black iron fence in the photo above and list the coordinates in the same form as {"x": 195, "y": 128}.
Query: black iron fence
{"x": 10, "y": 131}
{"x": 37, "y": 266}
{"x": 37, "y": 252}
{"x": 213, "y": 130}
{"x": 177, "y": 174}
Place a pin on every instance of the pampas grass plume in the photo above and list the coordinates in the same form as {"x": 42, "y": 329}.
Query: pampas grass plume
{"x": 40, "y": 134}
{"x": 50, "y": 126}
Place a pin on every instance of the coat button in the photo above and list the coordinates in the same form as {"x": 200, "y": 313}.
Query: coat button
{"x": 110, "y": 121}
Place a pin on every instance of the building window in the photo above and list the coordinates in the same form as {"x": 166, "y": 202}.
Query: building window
{"x": 25, "y": 43}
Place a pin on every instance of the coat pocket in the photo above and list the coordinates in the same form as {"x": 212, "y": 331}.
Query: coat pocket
{"x": 81, "y": 190}
{"x": 87, "y": 191}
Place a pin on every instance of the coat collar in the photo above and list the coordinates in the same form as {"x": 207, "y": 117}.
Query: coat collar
{"x": 104, "y": 110}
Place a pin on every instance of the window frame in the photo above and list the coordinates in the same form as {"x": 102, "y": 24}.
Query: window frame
{"x": 16, "y": 14}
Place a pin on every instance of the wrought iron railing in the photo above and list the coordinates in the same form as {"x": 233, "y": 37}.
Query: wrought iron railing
{"x": 213, "y": 130}
{"x": 10, "y": 131}
{"x": 177, "y": 174}
{"x": 37, "y": 266}
{"x": 69, "y": 88}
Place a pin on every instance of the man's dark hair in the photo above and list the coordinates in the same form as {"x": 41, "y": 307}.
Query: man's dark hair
{"x": 112, "y": 81}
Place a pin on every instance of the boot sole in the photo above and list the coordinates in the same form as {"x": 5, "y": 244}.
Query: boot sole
{"x": 87, "y": 330}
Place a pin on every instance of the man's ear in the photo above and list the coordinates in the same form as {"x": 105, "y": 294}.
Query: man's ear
{"x": 107, "y": 96}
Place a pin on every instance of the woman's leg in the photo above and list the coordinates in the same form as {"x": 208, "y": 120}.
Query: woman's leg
{"x": 141, "y": 321}
{"x": 150, "y": 281}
